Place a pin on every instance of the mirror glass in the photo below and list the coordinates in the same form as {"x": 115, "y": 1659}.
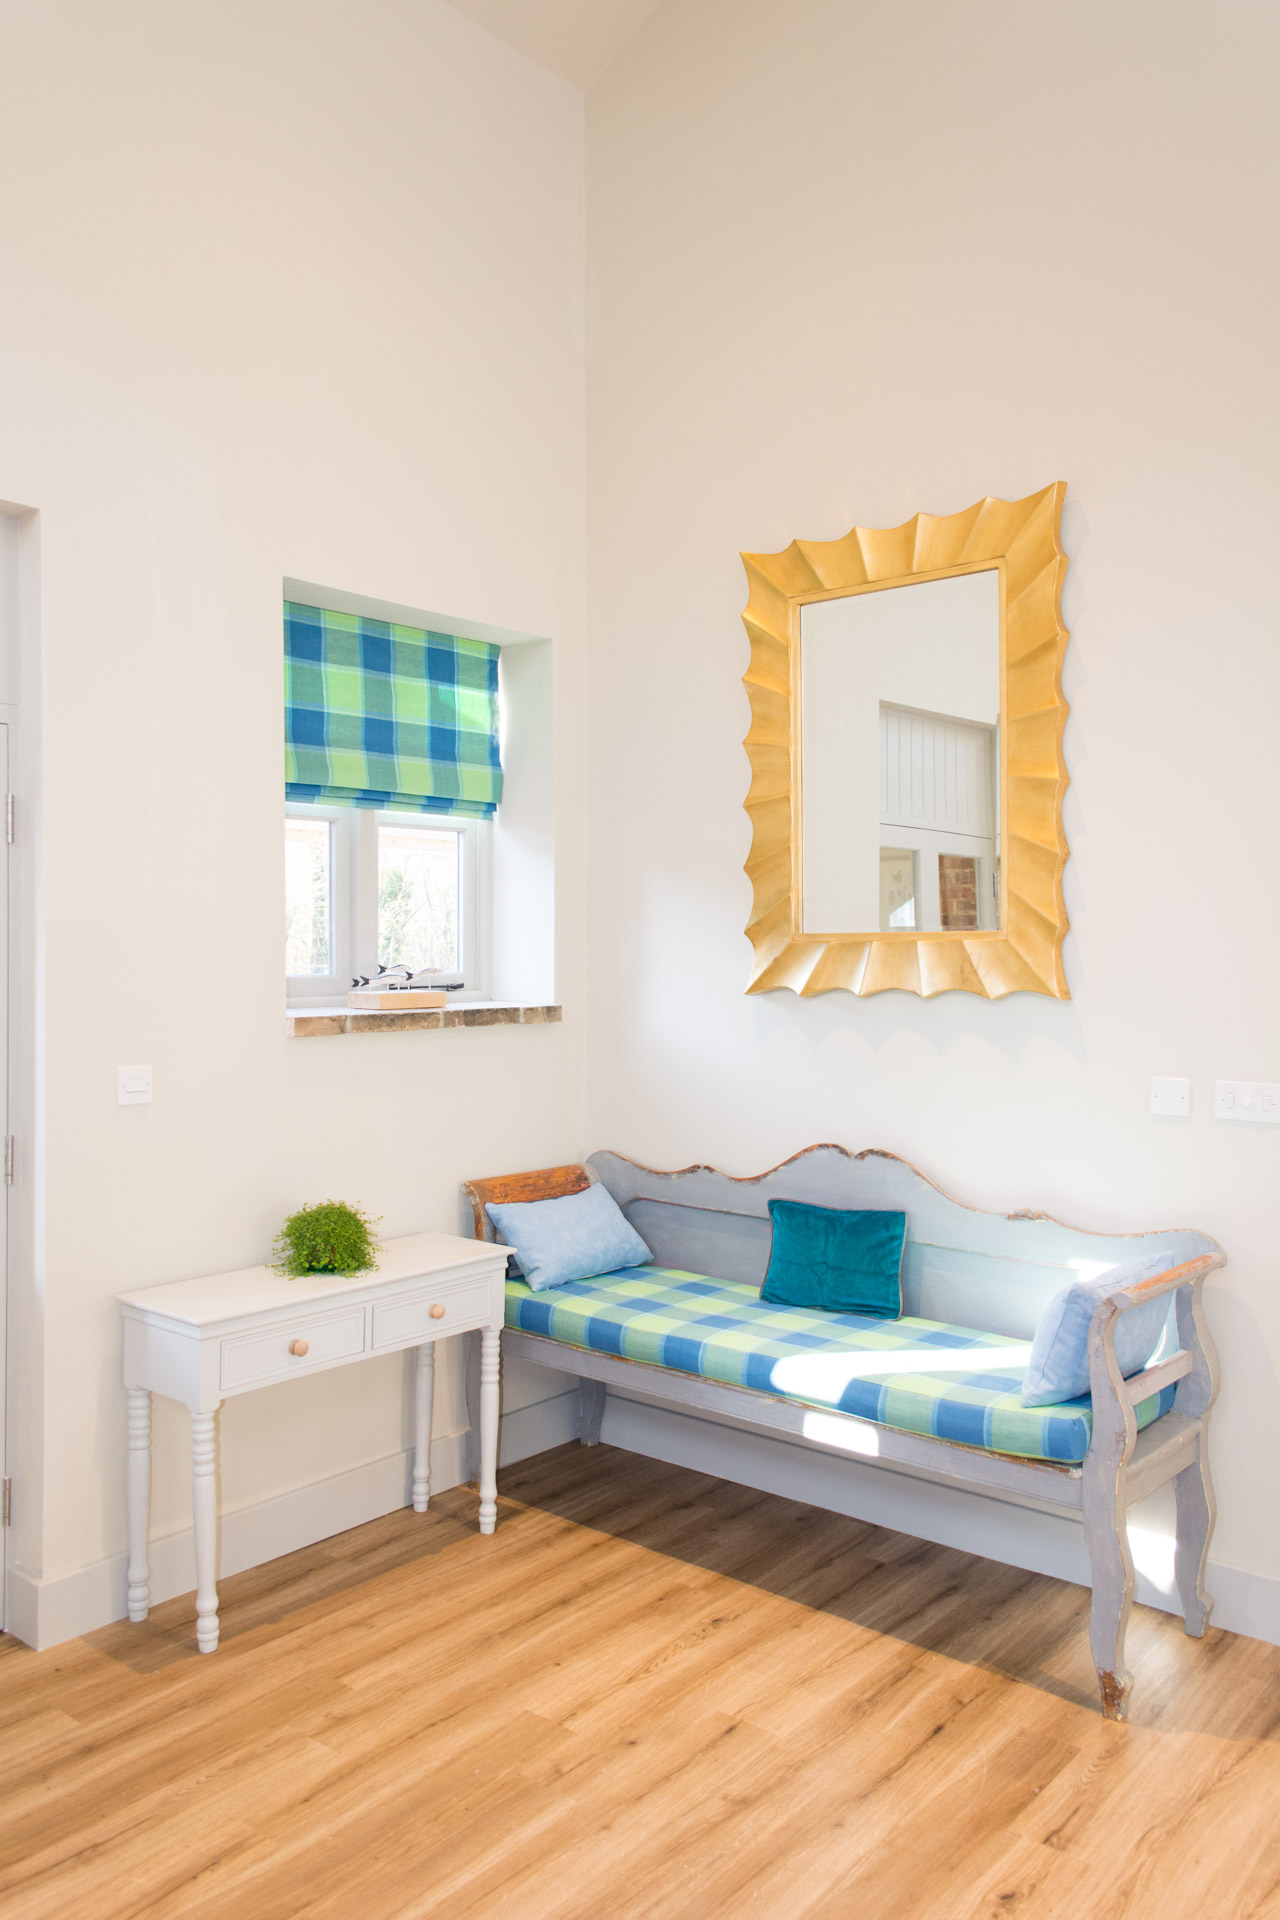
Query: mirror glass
{"x": 900, "y": 758}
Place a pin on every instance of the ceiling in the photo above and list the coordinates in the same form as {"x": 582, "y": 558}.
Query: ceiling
{"x": 576, "y": 39}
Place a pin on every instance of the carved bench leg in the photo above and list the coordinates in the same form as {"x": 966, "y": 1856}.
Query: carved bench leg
{"x": 590, "y": 1410}
{"x": 1193, "y": 1492}
{"x": 1111, "y": 1568}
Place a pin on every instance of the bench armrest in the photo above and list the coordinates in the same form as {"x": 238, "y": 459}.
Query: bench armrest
{"x": 1156, "y": 1283}
{"x": 1194, "y": 1365}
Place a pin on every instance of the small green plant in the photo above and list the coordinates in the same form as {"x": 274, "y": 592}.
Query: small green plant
{"x": 330, "y": 1237}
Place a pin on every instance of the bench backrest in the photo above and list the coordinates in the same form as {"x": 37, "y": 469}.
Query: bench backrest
{"x": 991, "y": 1271}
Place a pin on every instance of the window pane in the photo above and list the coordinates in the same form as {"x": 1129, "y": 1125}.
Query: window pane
{"x": 897, "y": 888}
{"x": 308, "y": 889}
{"x": 418, "y": 898}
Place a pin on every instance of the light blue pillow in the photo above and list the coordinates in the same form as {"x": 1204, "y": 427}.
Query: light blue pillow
{"x": 572, "y": 1238}
{"x": 1059, "y": 1368}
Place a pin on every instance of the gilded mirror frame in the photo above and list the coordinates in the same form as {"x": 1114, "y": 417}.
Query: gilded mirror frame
{"x": 1020, "y": 538}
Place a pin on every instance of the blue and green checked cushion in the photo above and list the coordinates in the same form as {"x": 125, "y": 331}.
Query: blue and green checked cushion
{"x": 377, "y": 715}
{"x": 918, "y": 1375}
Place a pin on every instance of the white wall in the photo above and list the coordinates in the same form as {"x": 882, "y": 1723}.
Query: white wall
{"x": 296, "y": 289}
{"x": 847, "y": 262}
{"x": 291, "y": 289}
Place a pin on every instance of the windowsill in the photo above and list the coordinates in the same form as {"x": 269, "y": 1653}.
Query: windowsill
{"x": 307, "y": 1023}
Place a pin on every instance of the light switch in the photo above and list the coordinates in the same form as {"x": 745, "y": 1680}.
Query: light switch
{"x": 133, "y": 1086}
{"x": 1247, "y": 1100}
{"x": 1172, "y": 1097}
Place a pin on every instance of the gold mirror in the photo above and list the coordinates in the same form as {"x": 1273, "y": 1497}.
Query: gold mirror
{"x": 906, "y": 756}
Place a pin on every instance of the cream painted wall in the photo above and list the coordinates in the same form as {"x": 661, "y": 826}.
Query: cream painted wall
{"x": 850, "y": 261}
{"x": 289, "y": 290}
{"x": 297, "y": 290}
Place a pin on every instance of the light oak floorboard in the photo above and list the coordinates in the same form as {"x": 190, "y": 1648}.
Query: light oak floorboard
{"x": 650, "y": 1694}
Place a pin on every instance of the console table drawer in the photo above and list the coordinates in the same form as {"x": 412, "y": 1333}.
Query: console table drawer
{"x": 326, "y": 1338}
{"x": 402, "y": 1323}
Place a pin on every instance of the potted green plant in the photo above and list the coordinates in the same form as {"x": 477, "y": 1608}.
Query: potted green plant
{"x": 329, "y": 1237}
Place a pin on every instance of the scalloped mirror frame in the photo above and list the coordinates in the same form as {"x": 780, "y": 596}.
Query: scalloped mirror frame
{"x": 1022, "y": 539}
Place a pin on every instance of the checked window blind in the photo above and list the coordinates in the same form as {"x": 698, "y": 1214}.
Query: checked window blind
{"x": 377, "y": 715}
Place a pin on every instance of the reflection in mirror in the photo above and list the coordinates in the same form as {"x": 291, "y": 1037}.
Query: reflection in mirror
{"x": 900, "y": 756}
{"x": 897, "y": 887}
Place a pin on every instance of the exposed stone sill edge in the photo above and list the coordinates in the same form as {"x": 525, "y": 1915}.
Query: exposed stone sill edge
{"x": 301, "y": 1023}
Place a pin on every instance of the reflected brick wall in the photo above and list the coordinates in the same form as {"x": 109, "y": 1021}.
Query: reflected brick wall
{"x": 958, "y": 892}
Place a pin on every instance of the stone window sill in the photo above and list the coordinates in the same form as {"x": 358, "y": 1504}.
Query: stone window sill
{"x": 307, "y": 1023}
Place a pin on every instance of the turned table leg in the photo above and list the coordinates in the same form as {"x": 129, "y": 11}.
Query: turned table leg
{"x": 139, "y": 1597}
{"x": 489, "y": 1364}
{"x": 422, "y": 1426}
{"x": 204, "y": 1507}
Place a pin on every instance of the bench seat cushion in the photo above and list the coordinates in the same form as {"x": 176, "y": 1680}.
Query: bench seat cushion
{"x": 918, "y": 1375}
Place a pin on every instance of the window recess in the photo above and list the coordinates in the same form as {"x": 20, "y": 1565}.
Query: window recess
{"x": 392, "y": 777}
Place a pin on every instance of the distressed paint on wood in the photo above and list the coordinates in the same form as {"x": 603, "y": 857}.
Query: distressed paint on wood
{"x": 833, "y": 1176}
{"x": 705, "y": 1221}
{"x": 547, "y": 1183}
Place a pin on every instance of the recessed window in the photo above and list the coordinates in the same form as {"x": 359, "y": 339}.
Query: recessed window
{"x": 392, "y": 778}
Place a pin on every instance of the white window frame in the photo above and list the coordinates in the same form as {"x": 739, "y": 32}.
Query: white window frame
{"x": 327, "y": 987}
{"x": 354, "y": 900}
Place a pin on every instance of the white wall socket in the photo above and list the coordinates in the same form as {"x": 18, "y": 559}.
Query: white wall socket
{"x": 133, "y": 1086}
{"x": 1171, "y": 1097}
{"x": 1247, "y": 1100}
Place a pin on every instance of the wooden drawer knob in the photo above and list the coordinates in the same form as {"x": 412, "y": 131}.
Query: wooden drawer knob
{"x": 299, "y": 1347}
{"x": 437, "y": 1312}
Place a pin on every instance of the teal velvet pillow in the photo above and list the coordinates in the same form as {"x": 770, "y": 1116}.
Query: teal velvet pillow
{"x": 845, "y": 1259}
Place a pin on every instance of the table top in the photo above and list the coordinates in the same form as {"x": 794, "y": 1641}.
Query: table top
{"x": 226, "y": 1296}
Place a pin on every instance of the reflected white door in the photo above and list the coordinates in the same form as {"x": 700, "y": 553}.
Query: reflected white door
{"x": 951, "y": 885}
{"x": 938, "y": 804}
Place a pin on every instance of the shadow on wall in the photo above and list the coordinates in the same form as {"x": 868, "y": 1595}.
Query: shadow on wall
{"x": 1008, "y": 1026}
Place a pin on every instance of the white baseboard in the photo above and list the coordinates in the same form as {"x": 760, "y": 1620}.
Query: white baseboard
{"x": 1021, "y": 1537}
{"x": 535, "y": 1429}
{"x": 43, "y": 1612}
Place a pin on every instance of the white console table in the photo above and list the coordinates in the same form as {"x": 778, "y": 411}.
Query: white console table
{"x": 200, "y": 1341}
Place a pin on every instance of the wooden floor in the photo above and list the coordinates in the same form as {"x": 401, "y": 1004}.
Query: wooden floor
{"x": 649, "y": 1694}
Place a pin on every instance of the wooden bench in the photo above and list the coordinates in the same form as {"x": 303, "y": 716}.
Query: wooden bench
{"x": 984, "y": 1271}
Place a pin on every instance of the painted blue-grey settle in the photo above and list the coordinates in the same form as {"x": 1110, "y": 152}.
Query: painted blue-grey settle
{"x": 936, "y": 1392}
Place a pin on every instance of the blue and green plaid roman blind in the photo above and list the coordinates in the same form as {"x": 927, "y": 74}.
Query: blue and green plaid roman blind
{"x": 377, "y": 715}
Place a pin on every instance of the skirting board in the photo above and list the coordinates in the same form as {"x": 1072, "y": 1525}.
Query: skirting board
{"x": 45, "y": 1612}
{"x": 1048, "y": 1543}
